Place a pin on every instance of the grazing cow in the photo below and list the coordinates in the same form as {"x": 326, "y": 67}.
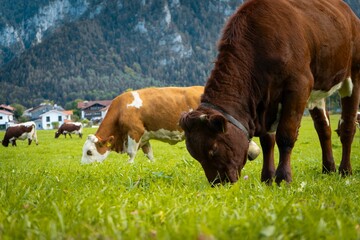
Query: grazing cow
{"x": 136, "y": 117}
{"x": 357, "y": 123}
{"x": 70, "y": 128}
{"x": 20, "y": 131}
{"x": 275, "y": 58}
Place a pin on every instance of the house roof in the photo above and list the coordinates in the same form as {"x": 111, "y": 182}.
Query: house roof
{"x": 68, "y": 112}
{"x": 86, "y": 104}
{"x": 7, "y": 108}
{"x": 60, "y": 112}
{"x": 6, "y": 112}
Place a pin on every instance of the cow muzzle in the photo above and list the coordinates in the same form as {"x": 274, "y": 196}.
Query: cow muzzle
{"x": 90, "y": 153}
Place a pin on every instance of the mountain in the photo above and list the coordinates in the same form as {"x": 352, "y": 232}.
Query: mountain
{"x": 62, "y": 50}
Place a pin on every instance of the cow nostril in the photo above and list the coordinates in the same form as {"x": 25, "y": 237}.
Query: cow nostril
{"x": 89, "y": 153}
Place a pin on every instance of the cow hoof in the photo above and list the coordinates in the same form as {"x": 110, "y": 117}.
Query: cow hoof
{"x": 282, "y": 176}
{"x": 326, "y": 170}
{"x": 345, "y": 172}
{"x": 267, "y": 181}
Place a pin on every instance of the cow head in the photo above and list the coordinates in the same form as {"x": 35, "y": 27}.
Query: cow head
{"x": 219, "y": 146}
{"x": 5, "y": 142}
{"x": 57, "y": 134}
{"x": 96, "y": 149}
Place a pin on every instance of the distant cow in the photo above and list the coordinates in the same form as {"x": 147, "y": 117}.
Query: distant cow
{"x": 357, "y": 123}
{"x": 136, "y": 117}
{"x": 70, "y": 128}
{"x": 20, "y": 131}
{"x": 275, "y": 58}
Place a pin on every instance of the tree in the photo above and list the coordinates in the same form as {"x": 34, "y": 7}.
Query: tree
{"x": 19, "y": 110}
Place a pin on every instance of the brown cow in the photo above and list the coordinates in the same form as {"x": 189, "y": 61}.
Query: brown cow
{"x": 136, "y": 117}
{"x": 20, "y": 131}
{"x": 70, "y": 128}
{"x": 275, "y": 58}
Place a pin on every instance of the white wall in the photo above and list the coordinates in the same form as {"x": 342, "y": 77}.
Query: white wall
{"x": 53, "y": 116}
{"x": 5, "y": 118}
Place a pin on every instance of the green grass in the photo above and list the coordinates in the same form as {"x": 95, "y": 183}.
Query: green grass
{"x": 45, "y": 193}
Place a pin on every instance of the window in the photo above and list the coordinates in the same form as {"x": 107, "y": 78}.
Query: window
{"x": 1, "y": 117}
{"x": 48, "y": 119}
{"x": 60, "y": 118}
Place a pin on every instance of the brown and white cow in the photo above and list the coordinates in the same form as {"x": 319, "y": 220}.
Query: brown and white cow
{"x": 136, "y": 117}
{"x": 70, "y": 128}
{"x": 20, "y": 131}
{"x": 275, "y": 58}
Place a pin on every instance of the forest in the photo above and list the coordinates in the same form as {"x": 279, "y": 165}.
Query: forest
{"x": 110, "y": 47}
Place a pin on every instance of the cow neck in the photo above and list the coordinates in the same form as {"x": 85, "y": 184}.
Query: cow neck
{"x": 230, "y": 87}
{"x": 228, "y": 117}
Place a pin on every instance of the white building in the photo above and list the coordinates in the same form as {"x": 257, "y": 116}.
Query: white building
{"x": 5, "y": 118}
{"x": 48, "y": 119}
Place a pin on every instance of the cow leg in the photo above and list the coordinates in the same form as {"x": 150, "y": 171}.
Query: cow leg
{"x": 147, "y": 149}
{"x": 288, "y": 129}
{"x": 13, "y": 143}
{"x": 132, "y": 147}
{"x": 268, "y": 171}
{"x": 349, "y": 104}
{"x": 29, "y": 141}
{"x": 35, "y": 138}
{"x": 70, "y": 135}
{"x": 322, "y": 125}
{"x": 80, "y": 135}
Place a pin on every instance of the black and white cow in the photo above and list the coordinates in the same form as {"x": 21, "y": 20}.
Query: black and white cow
{"x": 70, "y": 128}
{"x": 20, "y": 131}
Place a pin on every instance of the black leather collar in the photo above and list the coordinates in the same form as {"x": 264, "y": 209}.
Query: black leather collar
{"x": 228, "y": 117}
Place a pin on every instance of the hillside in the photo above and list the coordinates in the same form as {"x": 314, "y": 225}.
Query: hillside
{"x": 62, "y": 50}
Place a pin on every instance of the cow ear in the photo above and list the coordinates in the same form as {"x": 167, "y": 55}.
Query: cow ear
{"x": 184, "y": 122}
{"x": 110, "y": 141}
{"x": 218, "y": 122}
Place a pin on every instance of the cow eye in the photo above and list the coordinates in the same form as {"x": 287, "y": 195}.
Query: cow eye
{"x": 211, "y": 153}
{"x": 89, "y": 153}
{"x": 213, "y": 150}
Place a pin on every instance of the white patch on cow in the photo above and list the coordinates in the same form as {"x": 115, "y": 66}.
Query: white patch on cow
{"x": 164, "y": 135}
{"x": 320, "y": 104}
{"x": 131, "y": 147}
{"x": 89, "y": 147}
{"x": 341, "y": 121}
{"x": 77, "y": 124}
{"x": 137, "y": 103}
{"x": 346, "y": 88}
{"x": 27, "y": 124}
{"x": 316, "y": 97}
{"x": 25, "y": 135}
{"x": 276, "y": 123}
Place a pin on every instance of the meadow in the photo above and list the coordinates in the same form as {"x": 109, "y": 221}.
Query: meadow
{"x": 45, "y": 193}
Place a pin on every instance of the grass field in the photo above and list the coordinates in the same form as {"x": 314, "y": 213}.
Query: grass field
{"x": 45, "y": 193}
